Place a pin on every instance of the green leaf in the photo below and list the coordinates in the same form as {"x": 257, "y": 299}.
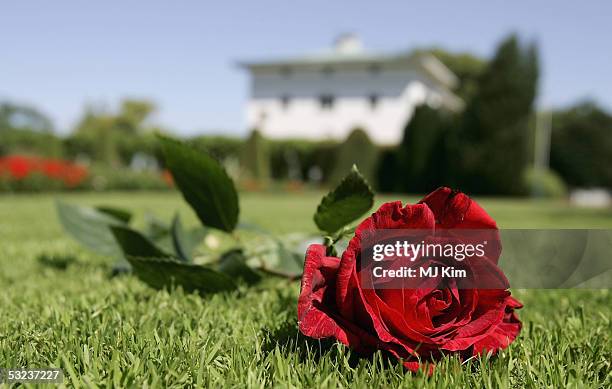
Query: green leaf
{"x": 121, "y": 267}
{"x": 233, "y": 263}
{"x": 252, "y": 227}
{"x": 155, "y": 228}
{"x": 184, "y": 242}
{"x": 134, "y": 244}
{"x": 182, "y": 247}
{"x": 159, "y": 270}
{"x": 195, "y": 237}
{"x": 89, "y": 227}
{"x": 160, "y": 233}
{"x": 204, "y": 184}
{"x": 348, "y": 201}
{"x": 162, "y": 273}
{"x": 118, "y": 213}
{"x": 282, "y": 261}
{"x": 291, "y": 264}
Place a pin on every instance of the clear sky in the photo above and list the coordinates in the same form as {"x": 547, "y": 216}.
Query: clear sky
{"x": 58, "y": 55}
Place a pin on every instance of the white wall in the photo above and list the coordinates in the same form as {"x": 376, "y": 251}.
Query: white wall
{"x": 398, "y": 91}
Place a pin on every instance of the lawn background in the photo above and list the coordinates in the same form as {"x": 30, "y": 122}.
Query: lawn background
{"x": 117, "y": 332}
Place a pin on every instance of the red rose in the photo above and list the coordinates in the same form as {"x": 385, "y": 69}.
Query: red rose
{"x": 412, "y": 324}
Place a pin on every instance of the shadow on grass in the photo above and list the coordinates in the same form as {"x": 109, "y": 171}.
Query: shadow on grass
{"x": 288, "y": 339}
{"x": 56, "y": 261}
{"x": 64, "y": 261}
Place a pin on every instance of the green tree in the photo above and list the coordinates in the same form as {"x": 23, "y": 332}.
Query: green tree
{"x": 133, "y": 114}
{"x": 494, "y": 135}
{"x": 25, "y": 129}
{"x": 466, "y": 66}
{"x": 22, "y": 117}
{"x": 581, "y": 146}
{"x": 112, "y": 138}
{"x": 96, "y": 135}
{"x": 387, "y": 171}
{"x": 422, "y": 155}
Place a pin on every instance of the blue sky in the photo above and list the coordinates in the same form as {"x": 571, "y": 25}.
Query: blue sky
{"x": 59, "y": 55}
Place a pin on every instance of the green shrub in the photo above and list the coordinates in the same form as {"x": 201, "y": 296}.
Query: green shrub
{"x": 35, "y": 182}
{"x": 255, "y": 157}
{"x": 107, "y": 178}
{"x": 358, "y": 150}
{"x": 100, "y": 148}
{"x": 581, "y": 146}
{"x": 132, "y": 144}
{"x": 544, "y": 183}
{"x": 44, "y": 144}
{"x": 293, "y": 159}
{"x": 220, "y": 147}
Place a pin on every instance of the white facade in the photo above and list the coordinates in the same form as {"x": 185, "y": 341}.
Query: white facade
{"x": 328, "y": 95}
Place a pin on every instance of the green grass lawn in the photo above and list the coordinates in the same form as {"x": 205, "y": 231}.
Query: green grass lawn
{"x": 117, "y": 332}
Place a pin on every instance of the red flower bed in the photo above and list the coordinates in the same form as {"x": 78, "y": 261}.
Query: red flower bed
{"x": 19, "y": 168}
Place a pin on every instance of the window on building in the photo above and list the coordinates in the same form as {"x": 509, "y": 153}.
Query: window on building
{"x": 326, "y": 101}
{"x": 374, "y": 69}
{"x": 328, "y": 71}
{"x": 261, "y": 120}
{"x": 286, "y": 71}
{"x": 285, "y": 101}
{"x": 373, "y": 99}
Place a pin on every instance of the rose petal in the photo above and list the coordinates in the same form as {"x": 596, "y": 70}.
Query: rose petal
{"x": 504, "y": 333}
{"x": 317, "y": 317}
{"x": 488, "y": 315}
{"x": 454, "y": 209}
{"x": 388, "y": 216}
{"x": 319, "y": 275}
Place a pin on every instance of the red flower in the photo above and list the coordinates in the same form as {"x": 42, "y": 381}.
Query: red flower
{"x": 19, "y": 168}
{"x": 73, "y": 175}
{"x": 167, "y": 177}
{"x": 53, "y": 168}
{"x": 415, "y": 325}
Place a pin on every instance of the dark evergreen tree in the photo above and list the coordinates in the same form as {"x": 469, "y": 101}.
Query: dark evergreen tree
{"x": 466, "y": 66}
{"x": 581, "y": 146}
{"x": 387, "y": 172}
{"x": 422, "y": 157}
{"x": 494, "y": 136}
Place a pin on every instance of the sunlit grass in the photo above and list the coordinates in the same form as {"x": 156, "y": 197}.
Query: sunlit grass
{"x": 117, "y": 332}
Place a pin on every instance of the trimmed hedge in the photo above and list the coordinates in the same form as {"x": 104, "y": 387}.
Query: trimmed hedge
{"x": 255, "y": 158}
{"x": 544, "y": 183}
{"x": 358, "y": 150}
{"x": 44, "y": 144}
{"x": 295, "y": 159}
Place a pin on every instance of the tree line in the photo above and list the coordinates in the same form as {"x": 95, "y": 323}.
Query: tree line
{"x": 486, "y": 148}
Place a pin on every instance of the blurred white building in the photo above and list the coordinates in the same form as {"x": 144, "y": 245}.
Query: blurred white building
{"x": 327, "y": 95}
